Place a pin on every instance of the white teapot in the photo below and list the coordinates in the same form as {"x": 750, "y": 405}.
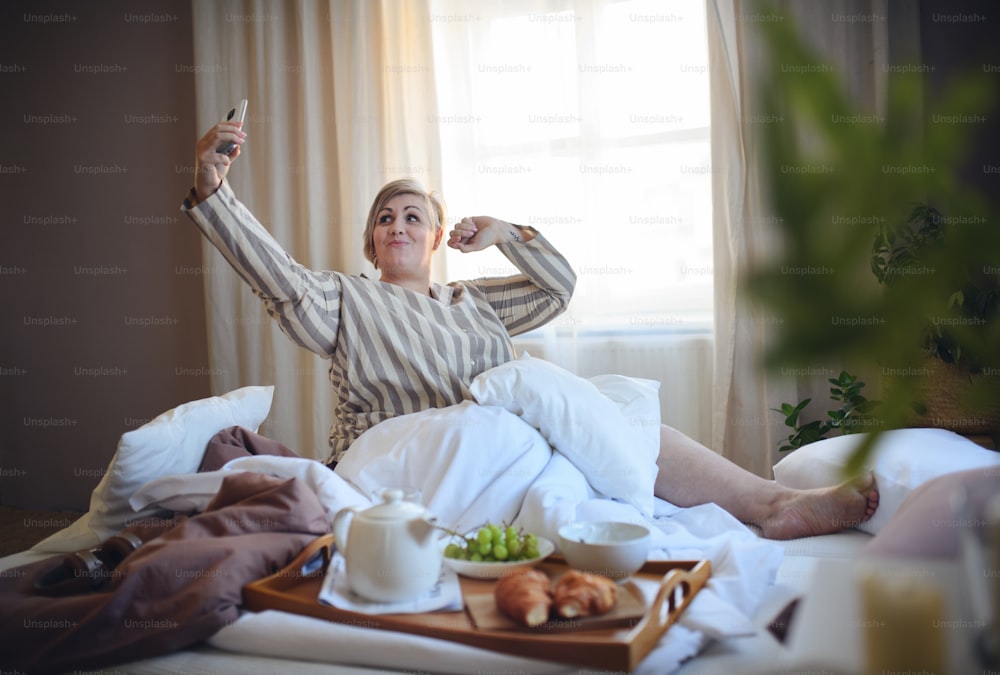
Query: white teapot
{"x": 390, "y": 550}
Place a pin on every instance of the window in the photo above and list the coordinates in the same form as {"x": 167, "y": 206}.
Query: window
{"x": 590, "y": 122}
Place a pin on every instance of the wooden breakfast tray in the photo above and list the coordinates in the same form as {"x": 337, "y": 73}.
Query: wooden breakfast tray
{"x": 665, "y": 588}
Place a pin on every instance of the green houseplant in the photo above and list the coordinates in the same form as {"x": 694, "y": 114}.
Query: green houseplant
{"x": 853, "y": 412}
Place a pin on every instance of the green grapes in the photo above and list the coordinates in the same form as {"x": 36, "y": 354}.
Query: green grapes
{"x": 493, "y": 543}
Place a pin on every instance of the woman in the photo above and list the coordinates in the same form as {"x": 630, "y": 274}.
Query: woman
{"x": 402, "y": 344}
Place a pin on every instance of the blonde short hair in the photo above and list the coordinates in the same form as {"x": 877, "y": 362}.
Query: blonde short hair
{"x": 403, "y": 186}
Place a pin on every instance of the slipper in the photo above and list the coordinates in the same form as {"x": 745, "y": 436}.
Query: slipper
{"x": 76, "y": 573}
{"x": 87, "y": 570}
{"x": 117, "y": 548}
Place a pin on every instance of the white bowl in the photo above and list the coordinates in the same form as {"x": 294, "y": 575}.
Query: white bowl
{"x": 495, "y": 570}
{"x": 615, "y": 550}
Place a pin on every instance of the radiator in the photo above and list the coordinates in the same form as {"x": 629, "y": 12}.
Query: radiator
{"x": 680, "y": 362}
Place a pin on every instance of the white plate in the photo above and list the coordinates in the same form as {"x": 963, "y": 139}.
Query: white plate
{"x": 495, "y": 570}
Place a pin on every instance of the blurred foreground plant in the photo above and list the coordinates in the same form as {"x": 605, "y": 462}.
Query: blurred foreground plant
{"x": 835, "y": 176}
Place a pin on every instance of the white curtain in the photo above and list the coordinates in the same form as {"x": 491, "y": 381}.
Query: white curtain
{"x": 852, "y": 35}
{"x": 341, "y": 100}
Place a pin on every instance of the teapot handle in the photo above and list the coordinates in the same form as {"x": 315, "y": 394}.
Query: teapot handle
{"x": 342, "y": 525}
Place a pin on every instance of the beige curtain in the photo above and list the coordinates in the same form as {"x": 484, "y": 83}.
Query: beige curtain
{"x": 853, "y": 36}
{"x": 341, "y": 99}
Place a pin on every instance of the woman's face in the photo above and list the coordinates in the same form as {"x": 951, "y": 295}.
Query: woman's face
{"x": 405, "y": 237}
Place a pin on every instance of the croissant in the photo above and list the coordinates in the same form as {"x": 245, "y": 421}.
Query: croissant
{"x": 525, "y": 597}
{"x": 579, "y": 594}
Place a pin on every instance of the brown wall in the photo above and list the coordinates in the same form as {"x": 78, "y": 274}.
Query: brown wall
{"x": 103, "y": 316}
{"x": 961, "y": 38}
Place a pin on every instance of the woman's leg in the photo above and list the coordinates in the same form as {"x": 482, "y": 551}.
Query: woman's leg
{"x": 691, "y": 474}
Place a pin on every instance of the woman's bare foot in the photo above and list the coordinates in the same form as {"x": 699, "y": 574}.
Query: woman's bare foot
{"x": 804, "y": 513}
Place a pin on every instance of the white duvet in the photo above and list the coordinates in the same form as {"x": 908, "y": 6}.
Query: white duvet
{"x": 539, "y": 448}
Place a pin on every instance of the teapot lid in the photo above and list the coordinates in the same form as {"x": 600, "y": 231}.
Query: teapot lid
{"x": 394, "y": 508}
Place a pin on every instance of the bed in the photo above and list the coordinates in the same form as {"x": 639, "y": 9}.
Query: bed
{"x": 561, "y": 448}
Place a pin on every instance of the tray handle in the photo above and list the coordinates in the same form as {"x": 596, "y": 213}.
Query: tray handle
{"x": 676, "y": 591}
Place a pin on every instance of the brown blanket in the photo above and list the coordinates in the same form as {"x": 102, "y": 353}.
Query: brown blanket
{"x": 236, "y": 442}
{"x": 180, "y": 587}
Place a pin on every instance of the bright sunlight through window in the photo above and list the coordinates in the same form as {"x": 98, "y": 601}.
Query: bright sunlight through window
{"x": 590, "y": 122}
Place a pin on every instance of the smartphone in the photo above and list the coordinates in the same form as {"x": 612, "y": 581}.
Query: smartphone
{"x": 238, "y": 113}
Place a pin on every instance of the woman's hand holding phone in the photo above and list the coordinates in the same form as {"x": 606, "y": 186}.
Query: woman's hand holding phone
{"x": 216, "y": 150}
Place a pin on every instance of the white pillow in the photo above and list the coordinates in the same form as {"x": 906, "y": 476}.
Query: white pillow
{"x": 638, "y": 400}
{"x": 901, "y": 460}
{"x": 172, "y": 443}
{"x": 618, "y": 456}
